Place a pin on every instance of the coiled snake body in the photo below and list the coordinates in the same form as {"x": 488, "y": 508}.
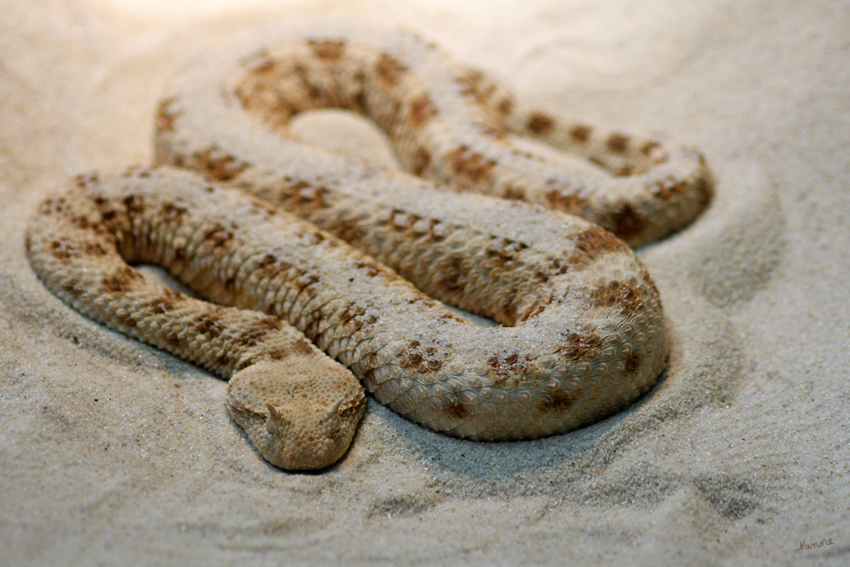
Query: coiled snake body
{"x": 582, "y": 332}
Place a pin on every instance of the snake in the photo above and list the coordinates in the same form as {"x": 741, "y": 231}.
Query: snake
{"x": 314, "y": 275}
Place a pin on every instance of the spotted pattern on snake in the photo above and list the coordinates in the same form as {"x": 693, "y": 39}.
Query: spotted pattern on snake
{"x": 581, "y": 331}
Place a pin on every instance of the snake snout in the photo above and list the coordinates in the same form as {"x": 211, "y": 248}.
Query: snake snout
{"x": 310, "y": 440}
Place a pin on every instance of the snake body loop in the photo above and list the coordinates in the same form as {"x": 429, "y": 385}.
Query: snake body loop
{"x": 581, "y": 330}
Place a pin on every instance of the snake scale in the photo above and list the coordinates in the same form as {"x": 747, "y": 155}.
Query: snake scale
{"x": 269, "y": 231}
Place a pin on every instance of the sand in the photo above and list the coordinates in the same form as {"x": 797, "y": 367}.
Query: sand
{"x": 113, "y": 453}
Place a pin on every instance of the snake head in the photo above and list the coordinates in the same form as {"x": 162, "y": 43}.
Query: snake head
{"x": 298, "y": 419}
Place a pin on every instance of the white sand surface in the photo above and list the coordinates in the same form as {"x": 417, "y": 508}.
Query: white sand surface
{"x": 113, "y": 453}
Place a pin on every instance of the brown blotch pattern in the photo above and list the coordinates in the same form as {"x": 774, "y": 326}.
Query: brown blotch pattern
{"x": 590, "y": 244}
{"x": 369, "y": 268}
{"x": 505, "y": 106}
{"x": 421, "y": 161}
{"x": 256, "y": 333}
{"x": 73, "y": 287}
{"x": 565, "y": 201}
{"x": 350, "y": 313}
{"x": 457, "y": 410}
{"x": 560, "y": 401}
{"x": 223, "y": 361}
{"x": 594, "y": 242}
{"x": 269, "y": 264}
{"x": 580, "y": 133}
{"x": 303, "y": 195}
{"x": 263, "y": 209}
{"x": 209, "y": 324}
{"x": 502, "y": 368}
{"x": 633, "y": 363}
{"x": 555, "y": 268}
{"x": 470, "y": 83}
{"x": 305, "y": 283}
{"x": 422, "y": 109}
{"x": 649, "y": 146}
{"x": 617, "y": 143}
{"x": 540, "y": 123}
{"x": 166, "y": 115}
{"x": 668, "y": 189}
{"x": 122, "y": 280}
{"x": 705, "y": 192}
{"x": 327, "y": 49}
{"x": 218, "y": 166}
{"x": 625, "y": 222}
{"x": 85, "y": 179}
{"x": 504, "y": 250}
{"x": 419, "y": 359}
{"x": 405, "y": 222}
{"x": 471, "y": 166}
{"x": 581, "y": 346}
{"x": 348, "y": 230}
{"x": 623, "y": 295}
{"x": 125, "y": 319}
{"x": 496, "y": 363}
{"x": 108, "y": 213}
{"x": 359, "y": 100}
{"x": 217, "y": 236}
{"x": 65, "y": 250}
{"x": 174, "y": 343}
{"x": 451, "y": 272}
{"x": 353, "y": 317}
{"x": 171, "y": 212}
{"x": 134, "y": 204}
{"x": 389, "y": 69}
{"x": 312, "y": 322}
{"x": 411, "y": 360}
{"x": 513, "y": 192}
{"x": 162, "y": 305}
{"x": 301, "y": 347}
{"x": 53, "y": 206}
{"x": 315, "y": 237}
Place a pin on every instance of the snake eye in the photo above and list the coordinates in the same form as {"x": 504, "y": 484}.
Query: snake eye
{"x": 334, "y": 417}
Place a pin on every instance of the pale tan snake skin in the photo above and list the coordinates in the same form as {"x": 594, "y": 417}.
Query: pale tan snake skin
{"x": 582, "y": 331}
